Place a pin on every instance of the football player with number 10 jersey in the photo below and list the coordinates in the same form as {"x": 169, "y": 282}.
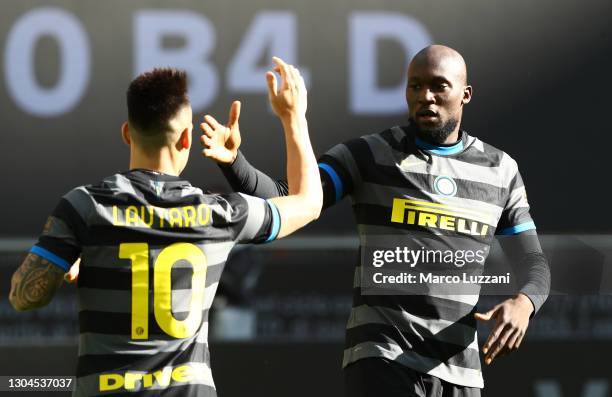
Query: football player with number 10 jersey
{"x": 152, "y": 246}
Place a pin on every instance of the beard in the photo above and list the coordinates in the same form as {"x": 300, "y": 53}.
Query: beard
{"x": 436, "y": 134}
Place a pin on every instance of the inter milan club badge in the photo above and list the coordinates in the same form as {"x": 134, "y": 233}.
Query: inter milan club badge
{"x": 445, "y": 185}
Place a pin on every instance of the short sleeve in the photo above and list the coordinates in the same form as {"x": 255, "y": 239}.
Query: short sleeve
{"x": 256, "y": 220}
{"x": 340, "y": 174}
{"x": 515, "y": 217}
{"x": 58, "y": 242}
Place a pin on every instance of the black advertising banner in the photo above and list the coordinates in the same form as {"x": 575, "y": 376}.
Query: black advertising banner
{"x": 66, "y": 65}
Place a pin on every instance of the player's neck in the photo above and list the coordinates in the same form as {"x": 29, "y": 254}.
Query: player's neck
{"x": 163, "y": 163}
{"x": 452, "y": 138}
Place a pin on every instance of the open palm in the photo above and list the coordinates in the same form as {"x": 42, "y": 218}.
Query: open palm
{"x": 221, "y": 142}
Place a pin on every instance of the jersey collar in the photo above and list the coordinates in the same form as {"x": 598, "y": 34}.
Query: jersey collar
{"x": 442, "y": 150}
{"x": 143, "y": 173}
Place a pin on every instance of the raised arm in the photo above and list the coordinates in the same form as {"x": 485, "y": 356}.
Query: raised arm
{"x": 303, "y": 201}
{"x": 245, "y": 178}
{"x": 221, "y": 144}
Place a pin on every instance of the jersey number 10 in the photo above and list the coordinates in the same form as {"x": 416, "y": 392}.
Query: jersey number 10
{"x": 138, "y": 253}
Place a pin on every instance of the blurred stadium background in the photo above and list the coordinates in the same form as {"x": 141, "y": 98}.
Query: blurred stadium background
{"x": 542, "y": 93}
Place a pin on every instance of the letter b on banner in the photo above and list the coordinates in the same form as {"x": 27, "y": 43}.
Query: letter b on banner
{"x": 150, "y": 28}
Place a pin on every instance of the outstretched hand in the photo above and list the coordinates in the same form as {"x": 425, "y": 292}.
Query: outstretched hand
{"x": 512, "y": 320}
{"x": 291, "y": 97}
{"x": 221, "y": 142}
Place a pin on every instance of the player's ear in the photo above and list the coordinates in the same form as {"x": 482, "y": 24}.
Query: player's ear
{"x": 185, "y": 139}
{"x": 467, "y": 94}
{"x": 125, "y": 134}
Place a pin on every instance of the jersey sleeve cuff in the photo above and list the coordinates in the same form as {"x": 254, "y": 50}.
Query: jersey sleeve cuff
{"x": 516, "y": 229}
{"x": 338, "y": 188}
{"x": 51, "y": 257}
{"x": 276, "y": 222}
{"x": 537, "y": 299}
{"x": 237, "y": 164}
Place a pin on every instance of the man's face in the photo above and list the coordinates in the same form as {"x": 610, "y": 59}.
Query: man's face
{"x": 436, "y": 93}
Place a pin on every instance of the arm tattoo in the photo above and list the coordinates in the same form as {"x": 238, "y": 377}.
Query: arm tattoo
{"x": 34, "y": 283}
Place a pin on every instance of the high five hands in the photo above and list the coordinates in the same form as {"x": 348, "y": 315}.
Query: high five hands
{"x": 221, "y": 142}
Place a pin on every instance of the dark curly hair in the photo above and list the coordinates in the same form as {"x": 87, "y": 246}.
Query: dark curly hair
{"x": 154, "y": 98}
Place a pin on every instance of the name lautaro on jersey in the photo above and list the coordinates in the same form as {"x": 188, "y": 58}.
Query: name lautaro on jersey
{"x": 149, "y": 216}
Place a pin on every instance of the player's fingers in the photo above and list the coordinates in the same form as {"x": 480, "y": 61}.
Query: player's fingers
{"x": 292, "y": 80}
{"x": 212, "y": 121}
{"x": 504, "y": 351}
{"x": 279, "y": 63}
{"x": 284, "y": 71}
{"x": 71, "y": 276}
{"x": 73, "y": 273}
{"x": 297, "y": 71}
{"x": 207, "y": 130}
{"x": 297, "y": 76}
{"x": 208, "y": 152}
{"x": 234, "y": 114}
{"x": 500, "y": 344}
{"x": 483, "y": 316}
{"x": 272, "y": 84}
{"x": 280, "y": 66}
{"x": 488, "y": 315}
{"x": 493, "y": 337}
{"x": 300, "y": 81}
{"x": 206, "y": 141}
{"x": 520, "y": 340}
{"x": 497, "y": 351}
{"x": 293, "y": 73}
{"x": 513, "y": 339}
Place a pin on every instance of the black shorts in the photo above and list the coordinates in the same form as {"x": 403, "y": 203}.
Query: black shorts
{"x": 379, "y": 377}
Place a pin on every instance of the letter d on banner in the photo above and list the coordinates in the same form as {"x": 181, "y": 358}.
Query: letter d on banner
{"x": 151, "y": 26}
{"x": 365, "y": 29}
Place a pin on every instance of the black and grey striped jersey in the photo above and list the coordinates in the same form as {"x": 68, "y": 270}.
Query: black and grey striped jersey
{"x": 152, "y": 250}
{"x": 408, "y": 193}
